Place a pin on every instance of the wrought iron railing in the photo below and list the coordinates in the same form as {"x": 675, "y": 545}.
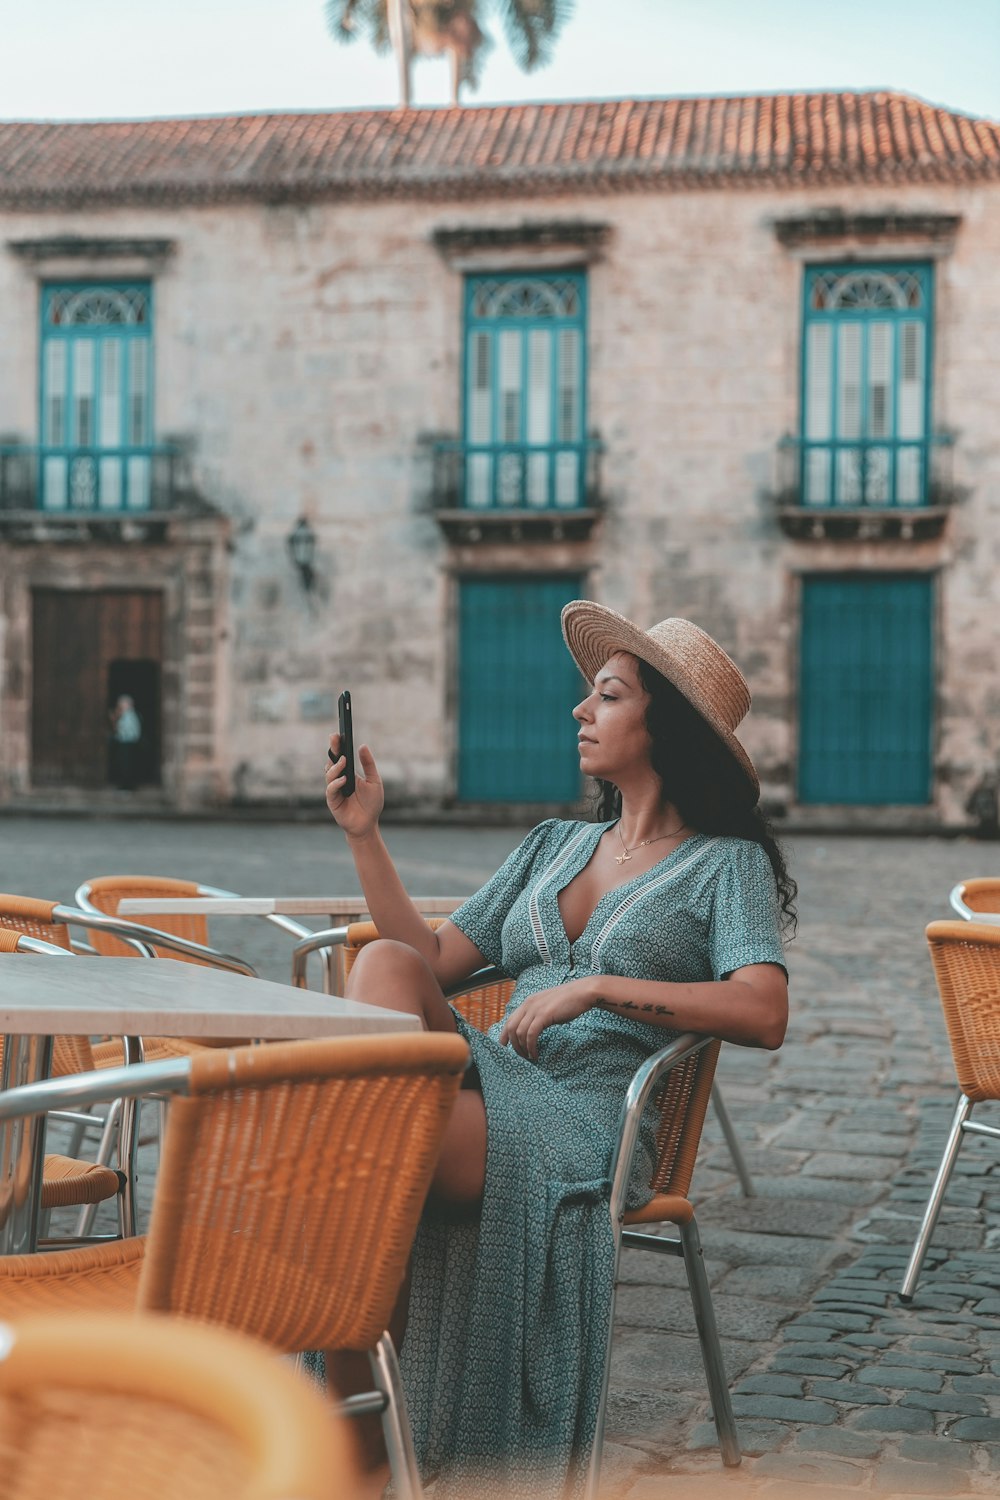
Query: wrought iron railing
{"x": 74, "y": 481}
{"x": 517, "y": 477}
{"x": 870, "y": 474}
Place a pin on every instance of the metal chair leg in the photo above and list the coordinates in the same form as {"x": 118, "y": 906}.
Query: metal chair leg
{"x": 711, "y": 1351}
{"x": 85, "y": 1221}
{"x": 735, "y": 1150}
{"x": 395, "y": 1421}
{"x": 962, "y": 1112}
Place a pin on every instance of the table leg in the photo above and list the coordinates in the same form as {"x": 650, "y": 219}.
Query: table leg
{"x": 128, "y": 1144}
{"x": 26, "y": 1059}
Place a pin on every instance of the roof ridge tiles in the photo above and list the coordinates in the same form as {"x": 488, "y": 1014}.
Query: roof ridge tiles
{"x": 832, "y": 136}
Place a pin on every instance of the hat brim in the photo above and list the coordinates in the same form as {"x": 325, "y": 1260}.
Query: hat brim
{"x": 593, "y": 633}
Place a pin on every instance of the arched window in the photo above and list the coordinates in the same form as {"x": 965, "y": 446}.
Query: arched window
{"x": 866, "y": 385}
{"x": 96, "y": 396}
{"x": 525, "y": 398}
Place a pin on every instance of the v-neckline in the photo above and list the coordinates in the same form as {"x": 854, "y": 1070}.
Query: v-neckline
{"x": 576, "y": 868}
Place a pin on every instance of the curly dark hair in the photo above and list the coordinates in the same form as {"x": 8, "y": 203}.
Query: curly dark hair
{"x": 703, "y": 781}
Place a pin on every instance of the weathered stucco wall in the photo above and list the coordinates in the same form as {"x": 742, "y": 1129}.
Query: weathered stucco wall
{"x": 307, "y": 353}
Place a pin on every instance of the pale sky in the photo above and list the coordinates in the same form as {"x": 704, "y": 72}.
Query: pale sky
{"x": 93, "y": 59}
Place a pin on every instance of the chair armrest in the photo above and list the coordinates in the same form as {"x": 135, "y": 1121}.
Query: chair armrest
{"x": 28, "y": 944}
{"x": 959, "y": 905}
{"x": 145, "y": 939}
{"x": 490, "y": 975}
{"x": 172, "y": 1076}
{"x": 316, "y": 942}
{"x": 639, "y": 1093}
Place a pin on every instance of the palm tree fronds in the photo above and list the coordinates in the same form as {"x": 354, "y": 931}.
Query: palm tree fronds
{"x": 348, "y": 19}
{"x": 532, "y": 27}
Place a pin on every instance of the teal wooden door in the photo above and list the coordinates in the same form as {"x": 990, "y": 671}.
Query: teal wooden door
{"x": 866, "y": 689}
{"x": 517, "y": 685}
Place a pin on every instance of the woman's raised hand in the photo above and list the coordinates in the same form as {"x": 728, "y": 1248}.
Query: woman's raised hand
{"x": 357, "y": 815}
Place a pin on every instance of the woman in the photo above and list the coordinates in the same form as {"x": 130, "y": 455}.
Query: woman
{"x": 662, "y": 917}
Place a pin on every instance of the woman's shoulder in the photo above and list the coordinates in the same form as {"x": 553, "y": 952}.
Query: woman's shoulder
{"x": 554, "y": 834}
{"x": 727, "y": 859}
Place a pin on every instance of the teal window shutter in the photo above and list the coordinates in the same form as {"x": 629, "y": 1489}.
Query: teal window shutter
{"x": 866, "y": 389}
{"x": 525, "y": 420}
{"x": 96, "y": 397}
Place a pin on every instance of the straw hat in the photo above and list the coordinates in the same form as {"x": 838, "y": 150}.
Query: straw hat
{"x": 681, "y": 652}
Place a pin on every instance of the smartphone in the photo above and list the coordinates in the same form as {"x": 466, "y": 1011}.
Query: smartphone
{"x": 346, "y": 740}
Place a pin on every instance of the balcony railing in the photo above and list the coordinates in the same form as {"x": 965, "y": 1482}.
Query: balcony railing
{"x": 516, "y": 478}
{"x": 92, "y": 482}
{"x": 873, "y": 474}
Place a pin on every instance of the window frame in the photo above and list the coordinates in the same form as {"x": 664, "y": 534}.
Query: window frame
{"x": 893, "y": 444}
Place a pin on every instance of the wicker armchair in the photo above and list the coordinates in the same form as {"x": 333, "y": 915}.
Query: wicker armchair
{"x": 104, "y": 894}
{"x": 274, "y": 1211}
{"x": 680, "y": 1078}
{"x": 966, "y": 958}
{"x": 66, "y": 1181}
{"x": 154, "y": 1408}
{"x": 49, "y": 923}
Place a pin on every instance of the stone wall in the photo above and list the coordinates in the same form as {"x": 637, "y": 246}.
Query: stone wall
{"x": 307, "y": 353}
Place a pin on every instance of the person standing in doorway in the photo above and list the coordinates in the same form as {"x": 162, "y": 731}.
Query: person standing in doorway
{"x": 126, "y": 733}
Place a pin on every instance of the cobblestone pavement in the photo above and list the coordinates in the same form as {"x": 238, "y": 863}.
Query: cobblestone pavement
{"x": 839, "y": 1390}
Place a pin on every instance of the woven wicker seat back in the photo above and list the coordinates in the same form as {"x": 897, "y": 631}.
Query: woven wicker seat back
{"x": 108, "y": 890}
{"x": 966, "y": 958}
{"x": 70, "y": 1054}
{"x": 292, "y": 1181}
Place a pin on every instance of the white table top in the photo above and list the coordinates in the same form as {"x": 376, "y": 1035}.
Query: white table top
{"x": 266, "y": 906}
{"x": 43, "y": 996}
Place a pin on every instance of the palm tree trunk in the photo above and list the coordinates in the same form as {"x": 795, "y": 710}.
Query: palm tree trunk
{"x": 399, "y": 31}
{"x": 455, "y": 60}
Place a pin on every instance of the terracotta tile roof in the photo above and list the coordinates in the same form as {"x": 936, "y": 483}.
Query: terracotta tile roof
{"x": 533, "y": 148}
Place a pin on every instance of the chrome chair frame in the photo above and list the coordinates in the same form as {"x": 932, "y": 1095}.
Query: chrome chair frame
{"x": 286, "y": 924}
{"x": 687, "y": 1246}
{"x": 957, "y": 902}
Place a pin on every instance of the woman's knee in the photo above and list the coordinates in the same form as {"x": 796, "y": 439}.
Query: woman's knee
{"x": 384, "y": 958}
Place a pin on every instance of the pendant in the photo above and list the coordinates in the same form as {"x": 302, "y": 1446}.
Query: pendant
{"x": 621, "y": 858}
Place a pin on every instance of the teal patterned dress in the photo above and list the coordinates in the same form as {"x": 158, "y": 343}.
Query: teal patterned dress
{"x": 503, "y": 1354}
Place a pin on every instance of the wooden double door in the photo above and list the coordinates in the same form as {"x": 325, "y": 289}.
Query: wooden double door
{"x": 90, "y": 646}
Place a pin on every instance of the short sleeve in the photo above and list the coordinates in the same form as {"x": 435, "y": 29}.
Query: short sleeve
{"x": 745, "y": 925}
{"x": 482, "y": 916}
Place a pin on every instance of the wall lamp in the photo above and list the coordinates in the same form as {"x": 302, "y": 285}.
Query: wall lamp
{"x": 302, "y": 546}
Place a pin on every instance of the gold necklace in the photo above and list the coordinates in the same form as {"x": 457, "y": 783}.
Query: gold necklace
{"x": 627, "y": 852}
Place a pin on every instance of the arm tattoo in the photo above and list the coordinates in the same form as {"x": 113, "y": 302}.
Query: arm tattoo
{"x": 648, "y": 1007}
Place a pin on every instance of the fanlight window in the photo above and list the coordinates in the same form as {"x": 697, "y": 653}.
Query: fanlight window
{"x": 866, "y": 386}
{"x": 98, "y": 307}
{"x": 864, "y": 291}
{"x": 527, "y": 297}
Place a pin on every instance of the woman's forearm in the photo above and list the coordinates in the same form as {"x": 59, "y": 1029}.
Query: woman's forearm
{"x": 751, "y": 1014}
{"x": 392, "y": 911}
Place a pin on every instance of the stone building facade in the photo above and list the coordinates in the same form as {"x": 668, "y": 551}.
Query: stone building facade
{"x": 732, "y": 359}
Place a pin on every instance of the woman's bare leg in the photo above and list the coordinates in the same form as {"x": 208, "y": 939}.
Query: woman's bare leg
{"x": 395, "y": 976}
